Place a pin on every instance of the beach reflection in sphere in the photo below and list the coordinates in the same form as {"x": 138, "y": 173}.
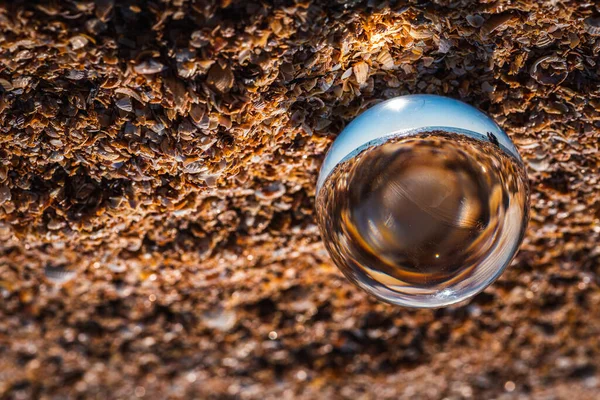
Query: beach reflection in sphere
{"x": 422, "y": 210}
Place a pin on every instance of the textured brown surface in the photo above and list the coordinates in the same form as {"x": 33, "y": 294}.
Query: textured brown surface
{"x": 157, "y": 170}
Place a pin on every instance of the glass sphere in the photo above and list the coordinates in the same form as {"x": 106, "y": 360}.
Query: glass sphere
{"x": 422, "y": 201}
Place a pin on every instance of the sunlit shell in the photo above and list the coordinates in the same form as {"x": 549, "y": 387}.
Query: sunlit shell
{"x": 386, "y": 60}
{"x": 197, "y": 112}
{"x": 186, "y": 69}
{"x": 592, "y": 25}
{"x": 124, "y": 104}
{"x": 75, "y": 75}
{"x": 58, "y": 275}
{"x": 129, "y": 92}
{"x": 6, "y": 85}
{"x": 220, "y": 319}
{"x": 78, "y": 42}
{"x": 149, "y": 67}
{"x": 420, "y": 34}
{"x": 221, "y": 78}
{"x": 56, "y": 224}
{"x": 361, "y": 72}
{"x": 549, "y": 76}
{"x": 544, "y": 41}
{"x": 347, "y": 74}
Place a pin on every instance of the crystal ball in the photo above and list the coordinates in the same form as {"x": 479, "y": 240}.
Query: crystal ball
{"x": 422, "y": 201}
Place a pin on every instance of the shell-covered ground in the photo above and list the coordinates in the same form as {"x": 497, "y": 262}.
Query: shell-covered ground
{"x": 158, "y": 162}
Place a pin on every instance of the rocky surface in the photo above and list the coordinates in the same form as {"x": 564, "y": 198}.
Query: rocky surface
{"x": 157, "y": 169}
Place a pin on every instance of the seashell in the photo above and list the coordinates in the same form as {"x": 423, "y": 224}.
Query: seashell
{"x": 23, "y": 55}
{"x": 495, "y": 22}
{"x": 186, "y": 129}
{"x": 420, "y": 34}
{"x": 574, "y": 40}
{"x": 58, "y": 275}
{"x": 195, "y": 167}
{"x": 4, "y": 194}
{"x": 544, "y": 41}
{"x": 5, "y": 231}
{"x": 156, "y": 126}
{"x": 106, "y": 153}
{"x": 56, "y": 156}
{"x": 476, "y": 21}
{"x": 259, "y": 104}
{"x": 539, "y": 165}
{"x": 21, "y": 82}
{"x": 204, "y": 65}
{"x": 411, "y": 55}
{"x": 326, "y": 83}
{"x": 309, "y": 84}
{"x": 145, "y": 150}
{"x": 149, "y": 67}
{"x": 322, "y": 123}
{"x": 556, "y": 108}
{"x": 592, "y": 25}
{"x": 75, "y": 75}
{"x": 518, "y": 62}
{"x": 117, "y": 267}
{"x": 186, "y": 69}
{"x": 55, "y": 224}
{"x": 428, "y": 61}
{"x": 225, "y": 121}
{"x": 50, "y": 9}
{"x": 546, "y": 76}
{"x": 103, "y": 9}
{"x": 361, "y": 72}
{"x": 487, "y": 87}
{"x": 78, "y": 42}
{"x": 220, "y": 319}
{"x": 129, "y": 92}
{"x": 386, "y": 60}
{"x": 197, "y": 112}
{"x": 221, "y": 78}
{"x": 311, "y": 62}
{"x": 528, "y": 145}
{"x": 7, "y": 85}
{"x": 444, "y": 46}
{"x": 271, "y": 192}
{"x": 298, "y": 117}
{"x": 124, "y": 104}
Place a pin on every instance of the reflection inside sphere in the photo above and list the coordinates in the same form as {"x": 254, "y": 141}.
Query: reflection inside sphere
{"x": 421, "y": 211}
